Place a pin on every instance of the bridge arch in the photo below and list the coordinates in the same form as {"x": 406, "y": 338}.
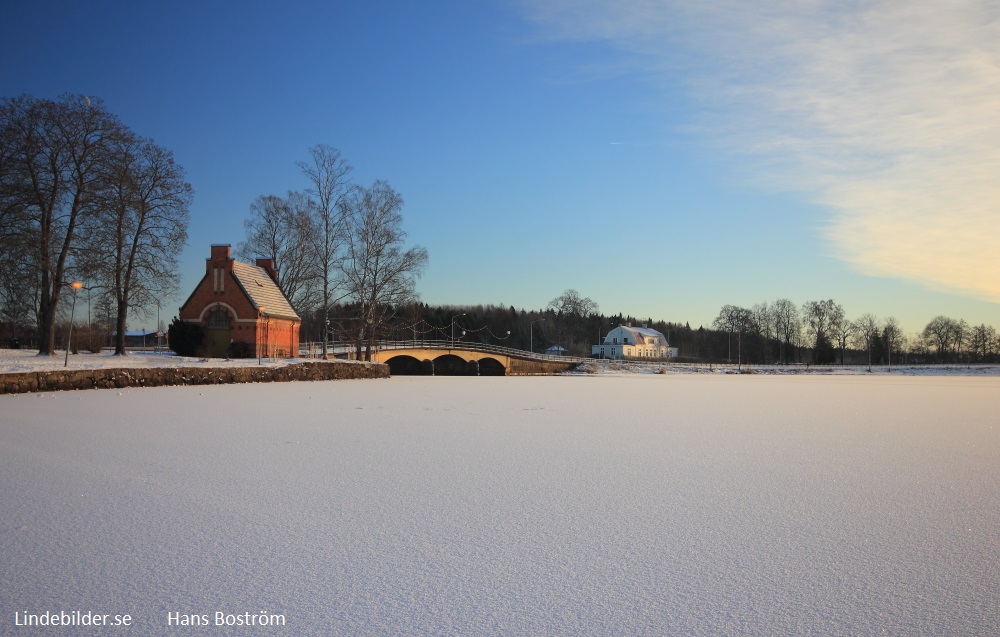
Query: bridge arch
{"x": 450, "y": 365}
{"x": 489, "y": 366}
{"x": 404, "y": 365}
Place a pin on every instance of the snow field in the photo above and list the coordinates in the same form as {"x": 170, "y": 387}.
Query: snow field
{"x": 586, "y": 505}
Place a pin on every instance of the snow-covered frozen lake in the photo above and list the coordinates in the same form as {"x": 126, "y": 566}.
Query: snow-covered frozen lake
{"x": 583, "y": 505}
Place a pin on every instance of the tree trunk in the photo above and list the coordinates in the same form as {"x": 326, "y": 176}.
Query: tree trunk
{"x": 46, "y": 322}
{"x": 120, "y": 322}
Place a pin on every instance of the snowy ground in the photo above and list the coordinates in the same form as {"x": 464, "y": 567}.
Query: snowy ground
{"x": 577, "y": 505}
{"x": 29, "y": 361}
{"x": 632, "y": 367}
{"x": 21, "y": 360}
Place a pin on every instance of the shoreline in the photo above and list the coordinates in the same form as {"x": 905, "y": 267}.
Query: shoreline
{"x": 125, "y": 377}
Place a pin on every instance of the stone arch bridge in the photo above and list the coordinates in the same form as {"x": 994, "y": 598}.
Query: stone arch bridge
{"x": 447, "y": 358}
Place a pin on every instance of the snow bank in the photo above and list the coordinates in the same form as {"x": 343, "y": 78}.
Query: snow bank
{"x": 20, "y": 360}
{"x": 585, "y": 505}
{"x": 635, "y": 367}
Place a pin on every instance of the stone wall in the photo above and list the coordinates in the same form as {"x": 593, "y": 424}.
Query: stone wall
{"x": 23, "y": 382}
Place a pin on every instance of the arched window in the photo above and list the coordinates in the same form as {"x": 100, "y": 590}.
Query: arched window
{"x": 218, "y": 320}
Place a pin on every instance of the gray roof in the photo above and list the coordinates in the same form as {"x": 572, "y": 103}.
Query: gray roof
{"x": 262, "y": 291}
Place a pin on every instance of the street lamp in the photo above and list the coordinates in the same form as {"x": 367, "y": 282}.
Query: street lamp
{"x": 334, "y": 344}
{"x": 158, "y": 330}
{"x": 261, "y": 313}
{"x": 90, "y": 325}
{"x": 453, "y": 328}
{"x": 76, "y": 285}
{"x": 531, "y": 335}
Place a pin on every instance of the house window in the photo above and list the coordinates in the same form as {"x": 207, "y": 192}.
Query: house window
{"x": 218, "y": 320}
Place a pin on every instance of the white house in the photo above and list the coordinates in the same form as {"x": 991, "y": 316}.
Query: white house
{"x": 626, "y": 341}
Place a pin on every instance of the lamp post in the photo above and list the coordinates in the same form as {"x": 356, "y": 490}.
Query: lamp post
{"x": 453, "y": 328}
{"x": 90, "y": 331}
{"x": 531, "y": 335}
{"x": 260, "y": 313}
{"x": 76, "y": 285}
{"x": 158, "y": 330}
{"x": 333, "y": 341}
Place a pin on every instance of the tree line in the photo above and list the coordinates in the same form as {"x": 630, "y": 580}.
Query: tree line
{"x": 817, "y": 332}
{"x": 339, "y": 248}
{"x": 84, "y": 198}
{"x": 821, "y": 332}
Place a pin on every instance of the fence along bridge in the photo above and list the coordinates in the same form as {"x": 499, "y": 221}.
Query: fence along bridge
{"x": 455, "y": 358}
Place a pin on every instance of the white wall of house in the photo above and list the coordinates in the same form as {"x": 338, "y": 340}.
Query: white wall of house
{"x": 626, "y": 341}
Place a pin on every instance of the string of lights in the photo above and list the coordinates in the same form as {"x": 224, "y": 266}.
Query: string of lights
{"x": 422, "y": 327}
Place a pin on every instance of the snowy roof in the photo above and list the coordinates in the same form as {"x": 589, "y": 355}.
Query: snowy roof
{"x": 262, "y": 291}
{"x": 639, "y": 334}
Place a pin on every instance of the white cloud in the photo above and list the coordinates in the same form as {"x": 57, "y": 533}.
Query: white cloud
{"x": 886, "y": 112}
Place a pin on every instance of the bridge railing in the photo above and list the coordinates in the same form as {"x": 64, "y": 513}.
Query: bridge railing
{"x": 478, "y": 347}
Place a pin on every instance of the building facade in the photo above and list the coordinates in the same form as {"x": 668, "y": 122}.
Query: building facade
{"x": 241, "y": 308}
{"x": 626, "y": 341}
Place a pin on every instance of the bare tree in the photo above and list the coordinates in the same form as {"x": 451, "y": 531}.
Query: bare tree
{"x": 961, "y": 331}
{"x": 12, "y": 205}
{"x": 18, "y": 291}
{"x": 867, "y": 332}
{"x": 982, "y": 342}
{"x": 842, "y": 329}
{"x": 571, "y": 303}
{"x": 568, "y": 309}
{"x": 764, "y": 323}
{"x": 736, "y": 320}
{"x": 280, "y": 229}
{"x": 820, "y": 317}
{"x": 787, "y": 325}
{"x": 379, "y": 274}
{"x": 52, "y": 171}
{"x": 940, "y": 334}
{"x": 892, "y": 333}
{"x": 328, "y": 175}
{"x": 139, "y": 228}
{"x": 18, "y": 280}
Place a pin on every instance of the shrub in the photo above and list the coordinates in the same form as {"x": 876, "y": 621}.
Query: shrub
{"x": 239, "y": 349}
{"x": 185, "y": 339}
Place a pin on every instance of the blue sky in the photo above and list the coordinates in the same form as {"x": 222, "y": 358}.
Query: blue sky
{"x": 662, "y": 158}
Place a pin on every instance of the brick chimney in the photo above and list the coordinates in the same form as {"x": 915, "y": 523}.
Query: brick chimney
{"x": 268, "y": 265}
{"x": 221, "y": 257}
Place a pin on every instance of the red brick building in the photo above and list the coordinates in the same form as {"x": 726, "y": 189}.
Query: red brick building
{"x": 242, "y": 303}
